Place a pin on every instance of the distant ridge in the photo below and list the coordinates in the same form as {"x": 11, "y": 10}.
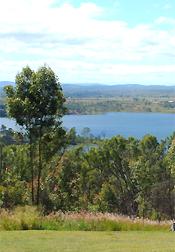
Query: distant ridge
{"x": 86, "y": 90}
{"x": 102, "y": 90}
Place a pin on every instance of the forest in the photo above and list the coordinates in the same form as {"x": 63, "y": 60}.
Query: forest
{"x": 58, "y": 170}
{"x": 125, "y": 176}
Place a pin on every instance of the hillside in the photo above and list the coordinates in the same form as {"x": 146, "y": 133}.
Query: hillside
{"x": 102, "y": 90}
{"x": 99, "y": 90}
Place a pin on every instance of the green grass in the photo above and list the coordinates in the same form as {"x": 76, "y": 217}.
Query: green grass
{"x": 56, "y": 241}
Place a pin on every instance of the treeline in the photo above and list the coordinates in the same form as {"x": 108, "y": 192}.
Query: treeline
{"x": 97, "y": 99}
{"x": 119, "y": 104}
{"x": 104, "y": 105}
{"x": 125, "y": 176}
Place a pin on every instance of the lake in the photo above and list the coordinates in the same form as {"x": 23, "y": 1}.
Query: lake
{"x": 118, "y": 123}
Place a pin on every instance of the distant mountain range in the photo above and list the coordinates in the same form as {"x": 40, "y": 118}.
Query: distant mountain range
{"x": 102, "y": 90}
{"x": 99, "y": 90}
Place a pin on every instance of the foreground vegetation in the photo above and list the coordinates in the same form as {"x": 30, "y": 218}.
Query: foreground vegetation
{"x": 45, "y": 165}
{"x": 43, "y": 241}
{"x": 29, "y": 218}
{"x": 124, "y": 176}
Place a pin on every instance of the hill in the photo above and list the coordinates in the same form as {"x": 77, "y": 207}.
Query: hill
{"x": 99, "y": 90}
{"x": 103, "y": 90}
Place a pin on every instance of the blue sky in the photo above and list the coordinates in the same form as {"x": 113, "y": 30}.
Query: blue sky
{"x": 111, "y": 42}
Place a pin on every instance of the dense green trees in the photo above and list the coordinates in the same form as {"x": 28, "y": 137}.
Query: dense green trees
{"x": 125, "y": 176}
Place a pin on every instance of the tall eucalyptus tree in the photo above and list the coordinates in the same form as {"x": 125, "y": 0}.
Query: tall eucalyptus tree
{"x": 37, "y": 103}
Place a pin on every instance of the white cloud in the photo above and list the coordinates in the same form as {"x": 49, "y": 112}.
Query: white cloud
{"x": 165, "y": 20}
{"x": 79, "y": 44}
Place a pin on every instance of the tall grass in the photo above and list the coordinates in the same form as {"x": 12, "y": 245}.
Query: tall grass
{"x": 29, "y": 218}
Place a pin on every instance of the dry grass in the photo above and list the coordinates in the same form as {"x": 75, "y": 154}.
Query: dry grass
{"x": 28, "y": 218}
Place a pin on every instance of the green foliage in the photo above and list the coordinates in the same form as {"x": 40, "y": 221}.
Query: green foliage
{"x": 124, "y": 176}
{"x": 36, "y": 103}
{"x": 120, "y": 175}
{"x": 13, "y": 191}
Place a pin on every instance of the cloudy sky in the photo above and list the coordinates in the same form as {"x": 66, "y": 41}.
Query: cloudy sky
{"x": 104, "y": 41}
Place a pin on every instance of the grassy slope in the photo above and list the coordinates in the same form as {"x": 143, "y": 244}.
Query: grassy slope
{"x": 42, "y": 241}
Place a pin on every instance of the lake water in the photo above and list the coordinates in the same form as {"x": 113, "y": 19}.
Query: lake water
{"x": 118, "y": 123}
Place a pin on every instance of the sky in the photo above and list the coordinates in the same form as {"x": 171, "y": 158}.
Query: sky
{"x": 94, "y": 41}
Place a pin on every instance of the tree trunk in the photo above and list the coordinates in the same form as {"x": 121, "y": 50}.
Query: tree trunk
{"x": 39, "y": 170}
{"x": 1, "y": 161}
{"x": 31, "y": 166}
